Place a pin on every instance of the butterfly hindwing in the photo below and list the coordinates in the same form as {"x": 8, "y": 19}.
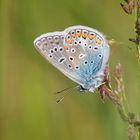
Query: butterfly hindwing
{"x": 91, "y": 50}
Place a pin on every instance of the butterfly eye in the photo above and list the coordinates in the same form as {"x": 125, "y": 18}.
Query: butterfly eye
{"x": 91, "y": 36}
{"x": 84, "y": 34}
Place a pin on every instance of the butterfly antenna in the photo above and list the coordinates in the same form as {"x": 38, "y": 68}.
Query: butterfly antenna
{"x": 59, "y": 100}
{"x": 63, "y": 90}
{"x": 66, "y": 92}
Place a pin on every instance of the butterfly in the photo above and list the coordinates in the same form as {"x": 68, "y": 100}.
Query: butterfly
{"x": 79, "y": 52}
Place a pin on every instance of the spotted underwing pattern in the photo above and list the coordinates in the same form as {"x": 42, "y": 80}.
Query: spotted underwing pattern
{"x": 79, "y": 52}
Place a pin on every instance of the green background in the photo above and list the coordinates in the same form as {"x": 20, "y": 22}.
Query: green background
{"x": 28, "y": 82}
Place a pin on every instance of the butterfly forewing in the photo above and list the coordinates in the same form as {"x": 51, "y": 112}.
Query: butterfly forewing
{"x": 51, "y": 46}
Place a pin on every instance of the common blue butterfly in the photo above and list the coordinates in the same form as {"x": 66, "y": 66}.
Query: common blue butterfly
{"x": 79, "y": 52}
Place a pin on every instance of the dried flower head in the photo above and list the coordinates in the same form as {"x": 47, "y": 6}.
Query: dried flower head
{"x": 118, "y": 71}
{"x": 131, "y": 6}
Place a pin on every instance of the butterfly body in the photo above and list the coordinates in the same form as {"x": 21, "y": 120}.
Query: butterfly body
{"x": 80, "y": 52}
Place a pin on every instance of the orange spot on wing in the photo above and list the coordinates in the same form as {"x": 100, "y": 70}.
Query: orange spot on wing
{"x": 66, "y": 47}
{"x": 84, "y": 35}
{"x": 78, "y": 33}
{"x": 73, "y": 35}
{"x": 91, "y": 36}
{"x": 69, "y": 41}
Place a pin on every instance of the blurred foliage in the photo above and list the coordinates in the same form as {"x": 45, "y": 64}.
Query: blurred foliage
{"x": 27, "y": 108}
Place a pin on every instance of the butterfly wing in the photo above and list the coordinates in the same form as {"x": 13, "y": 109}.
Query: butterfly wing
{"x": 79, "y": 52}
{"x": 51, "y": 46}
{"x": 91, "y": 54}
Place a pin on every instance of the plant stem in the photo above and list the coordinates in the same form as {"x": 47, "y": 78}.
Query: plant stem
{"x": 137, "y": 30}
{"x": 117, "y": 96}
{"x": 133, "y": 122}
{"x": 126, "y": 116}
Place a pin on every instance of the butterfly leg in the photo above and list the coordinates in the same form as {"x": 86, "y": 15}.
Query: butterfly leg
{"x": 82, "y": 89}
